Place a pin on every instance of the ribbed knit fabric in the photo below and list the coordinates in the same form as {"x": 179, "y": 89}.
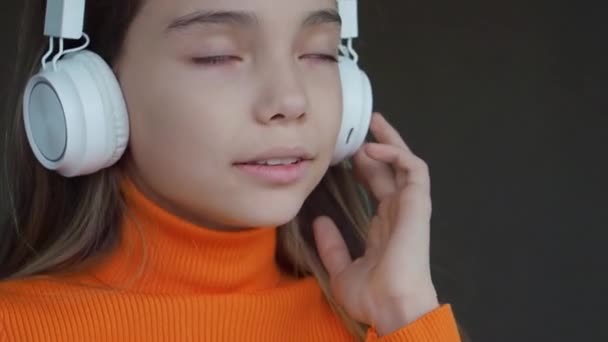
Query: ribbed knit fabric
{"x": 170, "y": 280}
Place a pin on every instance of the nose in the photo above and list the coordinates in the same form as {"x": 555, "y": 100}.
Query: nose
{"x": 282, "y": 97}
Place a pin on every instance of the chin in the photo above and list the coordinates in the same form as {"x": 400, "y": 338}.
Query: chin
{"x": 270, "y": 210}
{"x": 272, "y": 217}
{"x": 261, "y": 206}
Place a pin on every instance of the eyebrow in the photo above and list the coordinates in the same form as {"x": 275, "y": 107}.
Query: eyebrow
{"x": 247, "y": 19}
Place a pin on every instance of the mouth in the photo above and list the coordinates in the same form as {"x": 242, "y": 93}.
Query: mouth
{"x": 275, "y": 162}
{"x": 278, "y": 166}
{"x": 279, "y": 157}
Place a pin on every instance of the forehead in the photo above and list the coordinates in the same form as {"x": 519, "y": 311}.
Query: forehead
{"x": 284, "y": 11}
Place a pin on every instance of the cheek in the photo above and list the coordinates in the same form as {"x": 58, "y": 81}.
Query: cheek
{"x": 177, "y": 124}
{"x": 327, "y": 108}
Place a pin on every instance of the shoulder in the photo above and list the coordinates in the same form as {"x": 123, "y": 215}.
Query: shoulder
{"x": 16, "y": 308}
{"x": 16, "y": 293}
{"x": 32, "y": 285}
{"x": 24, "y": 303}
{"x": 33, "y": 294}
{"x": 14, "y": 304}
{"x": 3, "y": 332}
{"x": 3, "y": 320}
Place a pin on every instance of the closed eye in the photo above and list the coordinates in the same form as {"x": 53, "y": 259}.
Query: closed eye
{"x": 322, "y": 57}
{"x": 226, "y": 59}
{"x": 215, "y": 60}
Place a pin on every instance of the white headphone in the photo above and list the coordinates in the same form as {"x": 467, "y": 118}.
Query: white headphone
{"x": 75, "y": 114}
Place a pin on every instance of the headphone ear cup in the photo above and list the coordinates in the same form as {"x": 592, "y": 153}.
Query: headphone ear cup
{"x": 115, "y": 108}
{"x": 357, "y": 110}
{"x": 75, "y": 117}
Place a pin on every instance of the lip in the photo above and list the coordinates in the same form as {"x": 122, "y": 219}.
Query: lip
{"x": 279, "y": 153}
{"x": 276, "y": 174}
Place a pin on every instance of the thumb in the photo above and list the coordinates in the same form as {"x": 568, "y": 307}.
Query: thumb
{"x": 331, "y": 246}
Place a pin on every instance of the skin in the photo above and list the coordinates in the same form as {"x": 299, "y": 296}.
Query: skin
{"x": 390, "y": 285}
{"x": 191, "y": 121}
{"x": 277, "y": 85}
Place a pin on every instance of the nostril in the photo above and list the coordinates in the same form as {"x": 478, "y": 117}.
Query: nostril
{"x": 282, "y": 116}
{"x": 278, "y": 116}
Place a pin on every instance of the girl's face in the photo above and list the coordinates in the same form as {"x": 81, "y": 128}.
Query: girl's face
{"x": 211, "y": 83}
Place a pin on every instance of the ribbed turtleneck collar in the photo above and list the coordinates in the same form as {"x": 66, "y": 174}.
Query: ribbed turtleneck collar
{"x": 159, "y": 252}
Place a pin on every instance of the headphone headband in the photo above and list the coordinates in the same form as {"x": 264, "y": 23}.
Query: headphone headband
{"x": 349, "y": 15}
{"x": 64, "y": 18}
{"x": 75, "y": 114}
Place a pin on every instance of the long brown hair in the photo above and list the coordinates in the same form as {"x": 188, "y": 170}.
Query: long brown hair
{"x": 55, "y": 224}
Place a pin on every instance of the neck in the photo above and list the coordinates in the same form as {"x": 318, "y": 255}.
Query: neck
{"x": 161, "y": 252}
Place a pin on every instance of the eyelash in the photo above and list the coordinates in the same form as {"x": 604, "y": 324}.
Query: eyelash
{"x": 214, "y": 60}
{"x": 323, "y": 57}
{"x": 219, "y": 60}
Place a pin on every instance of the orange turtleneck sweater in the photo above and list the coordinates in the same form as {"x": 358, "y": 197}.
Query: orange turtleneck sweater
{"x": 170, "y": 280}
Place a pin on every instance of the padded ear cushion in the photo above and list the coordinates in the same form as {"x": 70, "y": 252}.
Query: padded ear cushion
{"x": 357, "y": 110}
{"x": 54, "y": 117}
{"x": 75, "y": 116}
{"x": 114, "y": 106}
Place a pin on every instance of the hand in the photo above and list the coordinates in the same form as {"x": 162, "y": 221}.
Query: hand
{"x": 390, "y": 285}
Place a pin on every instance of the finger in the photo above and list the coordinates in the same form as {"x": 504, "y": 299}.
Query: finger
{"x": 408, "y": 168}
{"x": 331, "y": 246}
{"x": 412, "y": 212}
{"x": 385, "y": 133}
{"x": 374, "y": 235}
{"x": 385, "y": 210}
{"x": 376, "y": 176}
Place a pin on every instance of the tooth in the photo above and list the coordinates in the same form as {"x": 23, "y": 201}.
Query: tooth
{"x": 274, "y": 162}
{"x": 288, "y": 161}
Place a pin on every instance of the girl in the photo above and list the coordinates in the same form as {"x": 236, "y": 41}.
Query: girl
{"x": 188, "y": 237}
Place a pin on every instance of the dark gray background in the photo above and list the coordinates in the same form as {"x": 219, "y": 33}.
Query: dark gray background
{"x": 508, "y": 103}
